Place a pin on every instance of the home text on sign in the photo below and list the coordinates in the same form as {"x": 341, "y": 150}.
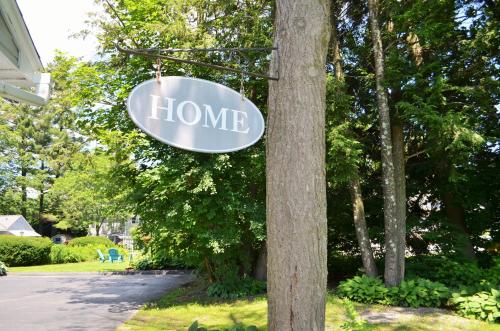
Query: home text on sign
{"x": 195, "y": 114}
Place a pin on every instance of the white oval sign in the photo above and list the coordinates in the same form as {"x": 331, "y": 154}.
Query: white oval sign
{"x": 195, "y": 114}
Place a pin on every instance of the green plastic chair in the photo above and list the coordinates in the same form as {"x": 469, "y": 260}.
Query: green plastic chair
{"x": 114, "y": 255}
{"x": 102, "y": 258}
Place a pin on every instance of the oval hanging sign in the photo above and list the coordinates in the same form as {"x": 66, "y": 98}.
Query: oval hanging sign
{"x": 195, "y": 114}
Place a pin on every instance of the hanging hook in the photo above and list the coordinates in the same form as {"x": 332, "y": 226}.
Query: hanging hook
{"x": 158, "y": 70}
{"x": 242, "y": 88}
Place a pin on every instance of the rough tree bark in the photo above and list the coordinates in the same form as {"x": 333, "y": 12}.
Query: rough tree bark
{"x": 365, "y": 247}
{"x": 400, "y": 185}
{"x": 354, "y": 185}
{"x": 24, "y": 192}
{"x": 295, "y": 168}
{"x": 392, "y": 268}
{"x": 41, "y": 202}
{"x": 260, "y": 271}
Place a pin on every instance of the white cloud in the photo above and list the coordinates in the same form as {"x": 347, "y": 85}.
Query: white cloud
{"x": 51, "y": 22}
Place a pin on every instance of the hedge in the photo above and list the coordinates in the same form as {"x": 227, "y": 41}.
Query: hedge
{"x": 24, "y": 251}
{"x": 91, "y": 241}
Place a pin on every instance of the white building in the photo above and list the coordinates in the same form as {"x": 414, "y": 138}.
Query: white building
{"x": 16, "y": 225}
{"x": 117, "y": 231}
{"x": 21, "y": 76}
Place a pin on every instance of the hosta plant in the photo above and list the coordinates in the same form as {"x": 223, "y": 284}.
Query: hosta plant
{"x": 483, "y": 305}
{"x": 363, "y": 289}
{"x": 418, "y": 292}
{"x": 3, "y": 269}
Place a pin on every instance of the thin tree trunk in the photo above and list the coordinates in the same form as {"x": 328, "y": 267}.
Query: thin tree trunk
{"x": 392, "y": 270}
{"x": 24, "y": 192}
{"x": 456, "y": 217}
{"x": 41, "y": 202}
{"x": 365, "y": 247}
{"x": 336, "y": 55}
{"x": 260, "y": 271}
{"x": 354, "y": 186}
{"x": 295, "y": 168}
{"x": 400, "y": 183}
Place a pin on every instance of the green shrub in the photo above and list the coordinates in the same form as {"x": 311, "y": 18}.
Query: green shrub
{"x": 237, "y": 288}
{"x": 195, "y": 327}
{"x": 363, "y": 289}
{"x": 442, "y": 269}
{"x": 418, "y": 292}
{"x": 69, "y": 254}
{"x": 144, "y": 263}
{"x": 343, "y": 266}
{"x": 24, "y": 251}
{"x": 91, "y": 241}
{"x": 410, "y": 293}
{"x": 483, "y": 305}
{"x": 72, "y": 254}
{"x": 3, "y": 269}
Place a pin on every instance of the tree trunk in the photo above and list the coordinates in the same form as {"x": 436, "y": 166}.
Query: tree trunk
{"x": 400, "y": 183}
{"x": 260, "y": 271}
{"x": 295, "y": 168}
{"x": 41, "y": 202}
{"x": 456, "y": 217}
{"x": 354, "y": 186}
{"x": 336, "y": 55}
{"x": 24, "y": 192}
{"x": 358, "y": 211}
{"x": 392, "y": 270}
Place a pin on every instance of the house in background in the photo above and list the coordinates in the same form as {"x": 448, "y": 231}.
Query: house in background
{"x": 61, "y": 238}
{"x": 16, "y": 225}
{"x": 118, "y": 232}
{"x": 21, "y": 76}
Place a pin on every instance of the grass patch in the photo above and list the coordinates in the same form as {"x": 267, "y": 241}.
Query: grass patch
{"x": 92, "y": 266}
{"x": 178, "y": 309}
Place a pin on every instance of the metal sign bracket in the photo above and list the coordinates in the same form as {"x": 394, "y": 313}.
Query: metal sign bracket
{"x": 157, "y": 53}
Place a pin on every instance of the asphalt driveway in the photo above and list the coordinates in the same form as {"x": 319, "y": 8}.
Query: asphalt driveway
{"x": 77, "y": 301}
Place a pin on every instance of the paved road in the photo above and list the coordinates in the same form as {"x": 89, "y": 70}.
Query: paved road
{"x": 77, "y": 302}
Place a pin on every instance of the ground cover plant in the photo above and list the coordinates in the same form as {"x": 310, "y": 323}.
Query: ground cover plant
{"x": 482, "y": 305}
{"x": 464, "y": 287}
{"x": 179, "y": 309}
{"x": 3, "y": 269}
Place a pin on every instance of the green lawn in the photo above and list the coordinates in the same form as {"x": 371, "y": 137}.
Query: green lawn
{"x": 73, "y": 267}
{"x": 177, "y": 310}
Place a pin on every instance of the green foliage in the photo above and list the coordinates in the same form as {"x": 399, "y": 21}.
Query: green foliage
{"x": 196, "y": 327}
{"x": 145, "y": 262}
{"x": 363, "y": 289}
{"x": 24, "y": 251}
{"x": 452, "y": 273}
{"x": 82, "y": 249}
{"x": 354, "y": 322}
{"x": 91, "y": 241}
{"x": 418, "y": 292}
{"x": 88, "y": 195}
{"x": 238, "y": 288}
{"x": 413, "y": 293}
{"x": 71, "y": 254}
{"x": 483, "y": 305}
{"x": 3, "y": 269}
